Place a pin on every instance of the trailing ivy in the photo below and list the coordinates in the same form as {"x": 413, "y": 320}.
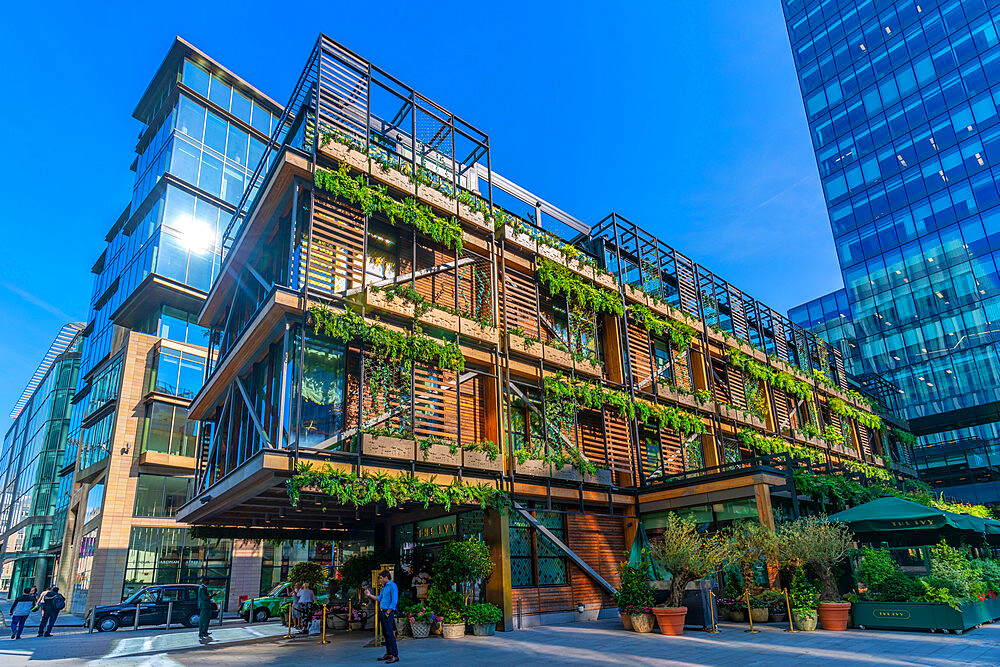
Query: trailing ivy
{"x": 792, "y": 385}
{"x": 679, "y": 333}
{"x": 766, "y": 444}
{"x": 370, "y": 487}
{"x": 867, "y": 419}
{"x": 904, "y": 438}
{"x": 375, "y": 198}
{"x": 580, "y": 292}
{"x": 393, "y": 345}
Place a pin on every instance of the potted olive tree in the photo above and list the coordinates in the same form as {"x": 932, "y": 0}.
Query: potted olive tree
{"x": 688, "y": 556}
{"x": 821, "y": 545}
{"x": 750, "y": 544}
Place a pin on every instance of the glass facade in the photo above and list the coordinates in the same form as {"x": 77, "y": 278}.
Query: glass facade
{"x": 171, "y": 556}
{"x": 30, "y": 458}
{"x": 901, "y": 99}
{"x": 829, "y": 317}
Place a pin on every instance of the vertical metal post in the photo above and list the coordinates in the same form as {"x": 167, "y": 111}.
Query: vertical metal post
{"x": 788, "y": 606}
{"x": 323, "y": 639}
{"x": 135, "y": 621}
{"x": 252, "y": 615}
{"x": 170, "y": 612}
{"x": 749, "y": 615}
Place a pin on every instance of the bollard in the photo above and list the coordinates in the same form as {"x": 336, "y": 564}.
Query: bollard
{"x": 711, "y": 610}
{"x": 750, "y": 616}
{"x": 788, "y": 606}
{"x": 135, "y": 625}
{"x": 323, "y": 624}
{"x": 90, "y": 622}
{"x": 350, "y": 614}
{"x": 289, "y": 635}
{"x": 170, "y": 612}
{"x": 252, "y": 605}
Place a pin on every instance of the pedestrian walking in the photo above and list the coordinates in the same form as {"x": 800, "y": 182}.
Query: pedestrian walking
{"x": 52, "y": 602}
{"x": 19, "y": 612}
{"x": 387, "y": 598}
{"x": 304, "y": 600}
{"x": 204, "y": 610}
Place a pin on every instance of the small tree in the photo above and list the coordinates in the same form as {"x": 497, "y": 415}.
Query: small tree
{"x": 750, "y": 543}
{"x": 307, "y": 572}
{"x": 687, "y": 555}
{"x": 818, "y": 543}
{"x": 635, "y": 592}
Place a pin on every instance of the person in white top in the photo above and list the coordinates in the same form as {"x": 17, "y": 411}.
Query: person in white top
{"x": 303, "y": 599}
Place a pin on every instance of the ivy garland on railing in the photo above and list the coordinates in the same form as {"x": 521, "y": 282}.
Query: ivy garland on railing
{"x": 394, "y": 345}
{"x": 867, "y": 419}
{"x": 821, "y": 378}
{"x": 766, "y": 444}
{"x": 562, "y": 394}
{"x": 845, "y": 492}
{"x": 679, "y": 333}
{"x": 558, "y": 456}
{"x": 372, "y": 198}
{"x": 370, "y": 487}
{"x": 904, "y": 438}
{"x": 580, "y": 292}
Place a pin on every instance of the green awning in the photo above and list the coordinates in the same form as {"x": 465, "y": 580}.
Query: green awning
{"x": 895, "y": 514}
{"x": 640, "y": 543}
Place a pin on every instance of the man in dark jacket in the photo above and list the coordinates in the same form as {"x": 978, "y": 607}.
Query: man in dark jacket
{"x": 52, "y": 602}
{"x": 204, "y": 610}
{"x": 19, "y": 612}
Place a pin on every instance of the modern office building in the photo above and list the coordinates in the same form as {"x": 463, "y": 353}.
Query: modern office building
{"x": 30, "y": 527}
{"x": 901, "y": 100}
{"x": 385, "y": 315}
{"x": 131, "y": 455}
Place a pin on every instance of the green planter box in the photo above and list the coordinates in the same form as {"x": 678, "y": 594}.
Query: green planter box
{"x": 923, "y": 615}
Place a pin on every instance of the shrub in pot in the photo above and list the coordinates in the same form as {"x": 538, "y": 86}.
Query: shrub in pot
{"x": 772, "y": 601}
{"x": 804, "y": 599}
{"x": 750, "y": 544}
{"x": 642, "y": 618}
{"x": 635, "y": 593}
{"x": 421, "y": 618}
{"x": 483, "y": 618}
{"x": 453, "y": 623}
{"x": 758, "y": 610}
{"x": 688, "y": 556}
{"x": 822, "y": 545}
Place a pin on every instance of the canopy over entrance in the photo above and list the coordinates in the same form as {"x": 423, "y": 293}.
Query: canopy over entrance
{"x": 898, "y": 516}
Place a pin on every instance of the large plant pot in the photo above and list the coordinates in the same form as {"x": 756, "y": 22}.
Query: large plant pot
{"x": 421, "y": 591}
{"x": 759, "y": 615}
{"x": 626, "y": 621}
{"x": 834, "y": 615}
{"x": 642, "y": 622}
{"x": 436, "y": 628}
{"x": 420, "y": 630}
{"x": 671, "y": 620}
{"x": 452, "y": 630}
{"x": 484, "y": 629}
{"x": 738, "y": 615}
{"x": 402, "y": 626}
{"x": 804, "y": 620}
{"x": 778, "y": 616}
{"x": 337, "y": 623}
{"x": 357, "y": 626}
{"x": 723, "y": 614}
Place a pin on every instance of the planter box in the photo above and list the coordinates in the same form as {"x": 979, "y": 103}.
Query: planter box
{"x": 480, "y": 461}
{"x": 441, "y": 319}
{"x": 397, "y": 305}
{"x": 568, "y": 472}
{"x": 553, "y": 356}
{"x": 585, "y": 366}
{"x": 533, "y": 467}
{"x": 686, "y": 400}
{"x": 474, "y": 217}
{"x": 393, "y": 178}
{"x": 606, "y": 280}
{"x": 636, "y": 295}
{"x": 741, "y": 416}
{"x": 440, "y": 454}
{"x": 517, "y": 344}
{"x": 342, "y": 153}
{"x": 389, "y": 447}
{"x": 923, "y": 615}
{"x": 473, "y": 329}
{"x": 580, "y": 268}
{"x": 549, "y": 252}
{"x": 436, "y": 198}
{"x": 522, "y": 239}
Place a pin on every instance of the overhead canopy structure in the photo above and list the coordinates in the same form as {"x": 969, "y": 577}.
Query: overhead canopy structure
{"x": 898, "y": 516}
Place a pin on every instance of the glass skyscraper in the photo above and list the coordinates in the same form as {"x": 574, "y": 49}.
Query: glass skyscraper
{"x": 901, "y": 99}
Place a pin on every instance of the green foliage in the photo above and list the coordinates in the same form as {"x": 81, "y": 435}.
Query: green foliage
{"x": 375, "y": 198}
{"x": 462, "y": 562}
{"x": 634, "y": 591}
{"x": 687, "y": 555}
{"x": 679, "y": 334}
{"x": 803, "y": 594}
{"x": 484, "y": 613}
{"x": 580, "y": 292}
{"x": 875, "y": 566}
{"x": 448, "y": 603}
{"x": 818, "y": 543}
{"x": 749, "y": 545}
{"x": 357, "y": 569}
{"x": 897, "y": 587}
{"x": 932, "y": 593}
{"x": 989, "y": 573}
{"x": 904, "y": 438}
{"x": 352, "y": 489}
{"x": 308, "y": 572}
{"x": 765, "y": 444}
{"x": 392, "y": 345}
{"x": 954, "y": 570}
{"x": 868, "y": 419}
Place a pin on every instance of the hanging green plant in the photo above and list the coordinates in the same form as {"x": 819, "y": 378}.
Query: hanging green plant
{"x": 394, "y": 345}
{"x": 370, "y": 487}
{"x": 375, "y": 198}
{"x": 904, "y": 438}
{"x": 580, "y": 292}
{"x": 867, "y": 419}
{"x": 679, "y": 334}
{"x": 766, "y": 444}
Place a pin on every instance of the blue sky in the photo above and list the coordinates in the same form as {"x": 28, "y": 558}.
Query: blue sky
{"x": 684, "y": 117}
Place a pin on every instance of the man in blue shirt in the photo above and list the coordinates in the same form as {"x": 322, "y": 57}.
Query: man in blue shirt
{"x": 387, "y": 600}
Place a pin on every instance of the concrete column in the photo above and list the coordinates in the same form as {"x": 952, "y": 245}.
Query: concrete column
{"x": 244, "y": 571}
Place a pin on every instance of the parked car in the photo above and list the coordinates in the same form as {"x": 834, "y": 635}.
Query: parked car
{"x": 153, "y": 602}
{"x": 270, "y": 605}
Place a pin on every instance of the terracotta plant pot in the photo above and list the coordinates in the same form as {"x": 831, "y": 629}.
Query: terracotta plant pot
{"x": 738, "y": 615}
{"x": 420, "y": 630}
{"x": 671, "y": 620}
{"x": 642, "y": 622}
{"x": 804, "y": 619}
{"x": 452, "y": 630}
{"x": 626, "y": 621}
{"x": 759, "y": 615}
{"x": 834, "y": 615}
